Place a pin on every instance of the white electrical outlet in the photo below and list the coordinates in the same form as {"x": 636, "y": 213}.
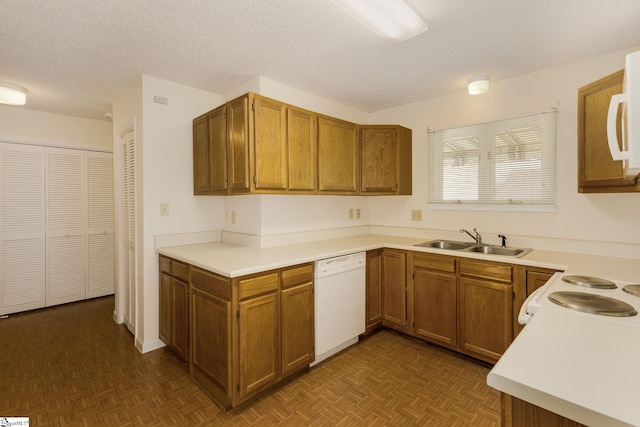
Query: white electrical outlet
{"x": 358, "y": 213}
{"x": 351, "y": 213}
{"x": 164, "y": 209}
{"x": 416, "y": 215}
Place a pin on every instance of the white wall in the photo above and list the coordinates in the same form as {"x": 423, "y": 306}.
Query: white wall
{"x": 19, "y": 124}
{"x": 591, "y": 217}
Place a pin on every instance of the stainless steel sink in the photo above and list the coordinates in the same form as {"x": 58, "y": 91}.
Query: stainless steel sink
{"x": 498, "y": 250}
{"x": 474, "y": 247}
{"x": 445, "y": 244}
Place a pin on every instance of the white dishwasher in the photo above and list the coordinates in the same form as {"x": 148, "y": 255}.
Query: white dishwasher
{"x": 339, "y": 303}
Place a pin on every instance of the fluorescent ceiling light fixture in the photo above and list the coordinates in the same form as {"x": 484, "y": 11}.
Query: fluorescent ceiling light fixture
{"x": 478, "y": 85}
{"x": 390, "y": 19}
{"x": 11, "y": 94}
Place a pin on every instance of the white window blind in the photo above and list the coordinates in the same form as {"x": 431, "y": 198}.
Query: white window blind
{"x": 496, "y": 164}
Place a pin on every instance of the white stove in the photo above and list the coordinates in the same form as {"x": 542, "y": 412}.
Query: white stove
{"x": 610, "y": 300}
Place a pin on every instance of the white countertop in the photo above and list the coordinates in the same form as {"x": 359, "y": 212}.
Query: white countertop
{"x": 580, "y": 366}
{"x": 233, "y": 260}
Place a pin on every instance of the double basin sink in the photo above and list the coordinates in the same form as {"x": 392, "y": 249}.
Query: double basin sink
{"x": 475, "y": 247}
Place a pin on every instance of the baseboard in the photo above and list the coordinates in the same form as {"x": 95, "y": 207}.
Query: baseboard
{"x": 149, "y": 346}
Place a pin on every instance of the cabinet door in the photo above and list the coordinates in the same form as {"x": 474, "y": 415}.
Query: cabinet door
{"x": 217, "y": 152}
{"x": 597, "y": 171}
{"x": 166, "y": 308}
{"x": 301, "y": 143}
{"x": 270, "y": 144}
{"x": 536, "y": 279}
{"x": 378, "y": 153}
{"x": 238, "y": 144}
{"x": 435, "y": 305}
{"x": 259, "y": 333}
{"x": 210, "y": 342}
{"x": 200, "y": 155}
{"x": 337, "y": 155}
{"x": 297, "y": 327}
{"x": 374, "y": 290}
{"x": 394, "y": 287}
{"x": 485, "y": 316}
{"x": 180, "y": 315}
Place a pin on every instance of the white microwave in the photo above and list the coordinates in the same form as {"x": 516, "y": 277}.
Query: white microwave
{"x": 629, "y": 100}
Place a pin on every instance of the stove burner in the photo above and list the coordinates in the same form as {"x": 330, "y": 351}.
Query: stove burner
{"x": 589, "y": 282}
{"x": 592, "y": 303}
{"x": 632, "y": 289}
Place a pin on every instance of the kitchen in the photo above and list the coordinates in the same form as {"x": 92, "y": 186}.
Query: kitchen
{"x": 607, "y": 222}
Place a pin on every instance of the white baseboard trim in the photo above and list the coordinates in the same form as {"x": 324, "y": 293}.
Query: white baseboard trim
{"x": 149, "y": 346}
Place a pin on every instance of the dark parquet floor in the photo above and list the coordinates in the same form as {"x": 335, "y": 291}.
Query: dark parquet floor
{"x": 72, "y": 365}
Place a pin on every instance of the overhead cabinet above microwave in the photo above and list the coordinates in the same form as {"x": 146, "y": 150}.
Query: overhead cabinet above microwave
{"x": 254, "y": 144}
{"x": 598, "y": 172}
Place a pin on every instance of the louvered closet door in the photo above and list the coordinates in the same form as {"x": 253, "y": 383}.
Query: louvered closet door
{"x": 129, "y": 228}
{"x": 100, "y": 225}
{"x": 22, "y": 228}
{"x": 66, "y": 260}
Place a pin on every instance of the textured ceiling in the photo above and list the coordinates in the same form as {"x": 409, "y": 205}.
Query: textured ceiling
{"x": 75, "y": 56}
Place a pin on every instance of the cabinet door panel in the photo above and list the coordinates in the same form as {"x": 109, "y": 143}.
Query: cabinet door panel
{"x": 337, "y": 155}
{"x": 301, "y": 141}
{"x": 435, "y": 306}
{"x": 395, "y": 288}
{"x": 238, "y": 144}
{"x": 210, "y": 344}
{"x": 166, "y": 308}
{"x": 378, "y": 159}
{"x": 180, "y": 327}
{"x": 297, "y": 327}
{"x": 374, "y": 289}
{"x": 217, "y": 166}
{"x": 259, "y": 332}
{"x": 270, "y": 144}
{"x": 200, "y": 155}
{"x": 486, "y": 314}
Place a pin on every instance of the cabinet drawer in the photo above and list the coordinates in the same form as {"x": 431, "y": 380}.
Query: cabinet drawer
{"x": 180, "y": 270}
{"x": 297, "y": 275}
{"x": 434, "y": 262}
{"x": 487, "y": 270}
{"x": 165, "y": 264}
{"x": 210, "y": 282}
{"x": 258, "y": 285}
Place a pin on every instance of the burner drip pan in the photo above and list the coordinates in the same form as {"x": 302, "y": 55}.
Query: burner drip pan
{"x": 589, "y": 282}
{"x": 592, "y": 303}
{"x": 632, "y": 289}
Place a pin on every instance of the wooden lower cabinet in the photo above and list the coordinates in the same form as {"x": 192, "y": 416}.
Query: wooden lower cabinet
{"x": 394, "y": 295}
{"x": 373, "y": 308}
{"x": 435, "y": 301}
{"x": 518, "y": 413}
{"x": 174, "y": 306}
{"x": 248, "y": 333}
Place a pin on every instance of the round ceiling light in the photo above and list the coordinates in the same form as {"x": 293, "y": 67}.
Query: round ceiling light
{"x": 11, "y": 94}
{"x": 478, "y": 85}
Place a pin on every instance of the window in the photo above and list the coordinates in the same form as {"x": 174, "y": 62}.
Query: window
{"x": 501, "y": 165}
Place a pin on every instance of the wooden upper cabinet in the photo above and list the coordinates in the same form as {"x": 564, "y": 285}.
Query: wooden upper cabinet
{"x": 269, "y": 144}
{"x": 238, "y": 144}
{"x": 597, "y": 171}
{"x": 210, "y": 152}
{"x": 301, "y": 142}
{"x": 337, "y": 155}
{"x": 255, "y": 144}
{"x": 385, "y": 158}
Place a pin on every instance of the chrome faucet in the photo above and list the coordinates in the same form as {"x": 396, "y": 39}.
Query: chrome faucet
{"x": 477, "y": 237}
